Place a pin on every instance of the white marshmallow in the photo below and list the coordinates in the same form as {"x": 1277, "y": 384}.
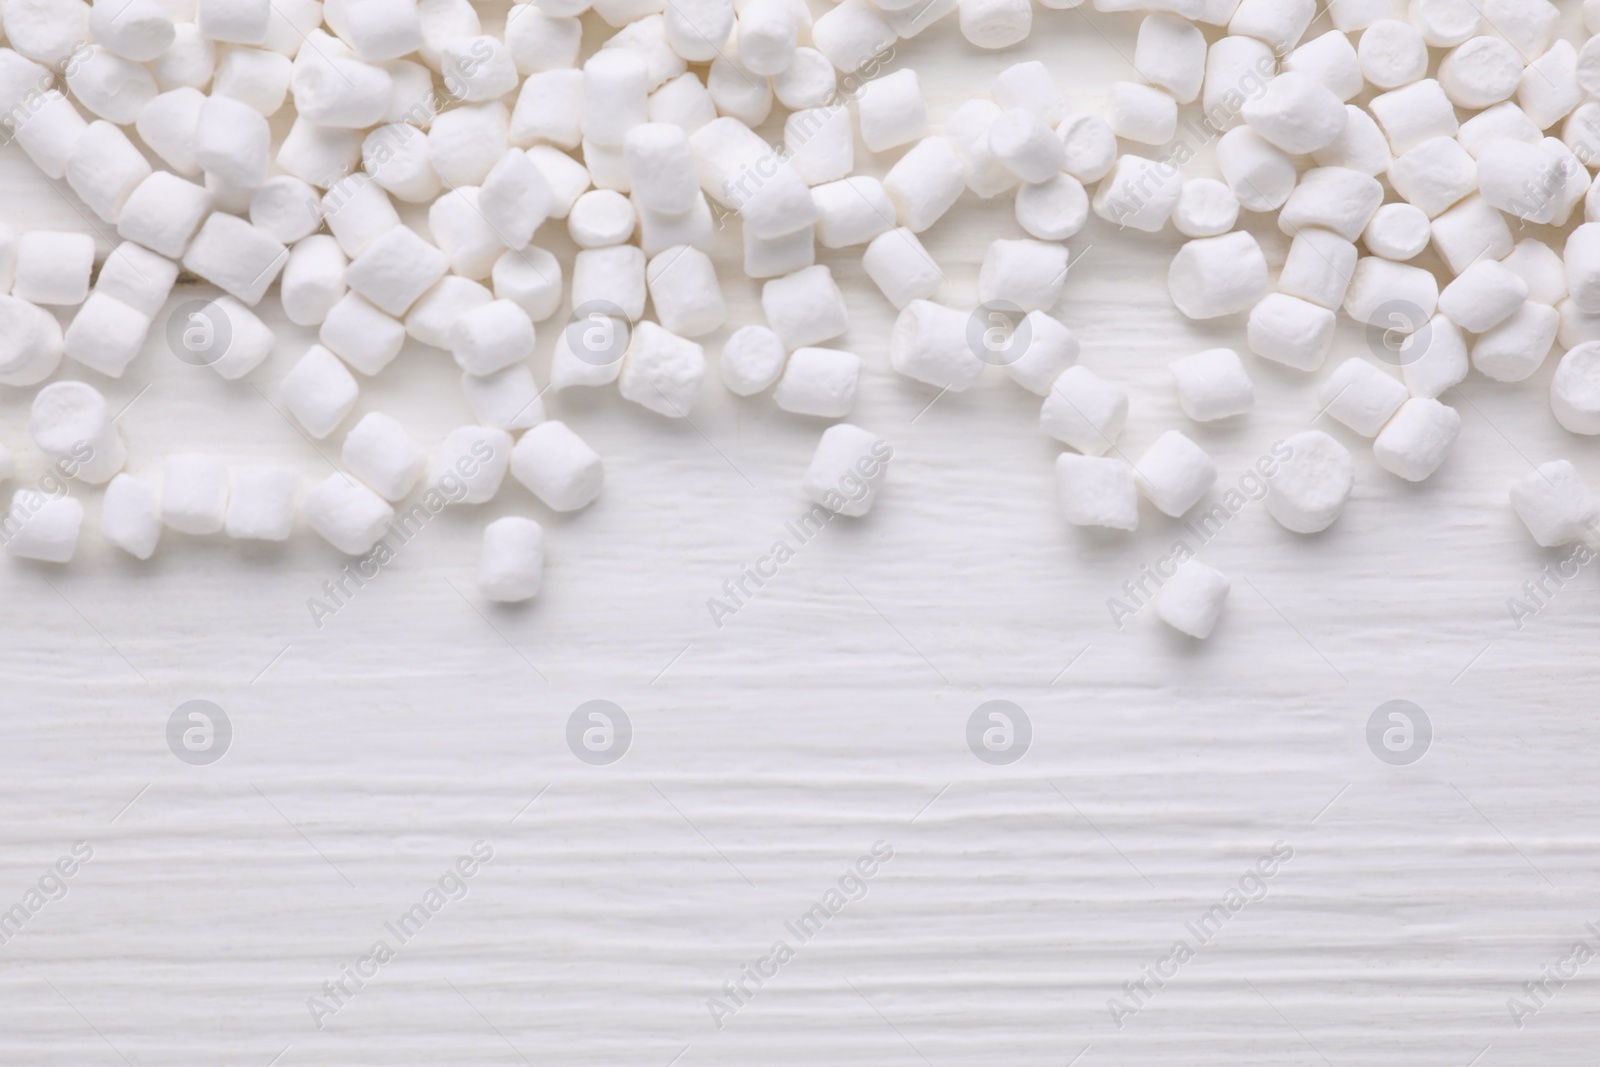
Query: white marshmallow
{"x": 1141, "y": 113}
{"x": 235, "y": 21}
{"x": 190, "y": 61}
{"x": 1503, "y": 122}
{"x": 1331, "y": 61}
{"x": 685, "y": 102}
{"x": 659, "y": 232}
{"x": 398, "y": 159}
{"x": 1360, "y": 146}
{"x": 854, "y": 211}
{"x": 229, "y": 337}
{"x": 699, "y": 29}
{"x": 30, "y": 342}
{"x": 137, "y": 277}
{"x": 1215, "y": 276}
{"x": 194, "y": 493}
{"x": 820, "y": 382}
{"x": 766, "y": 35}
{"x": 616, "y": 92}
{"x": 320, "y": 155}
{"x": 1581, "y": 256}
{"x": 1090, "y": 144}
{"x": 901, "y": 267}
{"x": 465, "y": 143}
{"x": 46, "y": 31}
{"x": 752, "y": 360}
{"x": 614, "y": 276}
{"x": 1446, "y": 23}
{"x": 53, "y": 267}
{"x": 515, "y": 199}
{"x": 1205, "y": 208}
{"x": 1192, "y": 600}
{"x": 549, "y": 109}
{"x": 1543, "y": 271}
{"x": 1484, "y": 295}
{"x": 71, "y": 423}
{"x": 738, "y": 91}
{"x": 139, "y": 30}
{"x": 106, "y": 334}
{"x": 313, "y": 280}
{"x": 104, "y": 168}
{"x": 319, "y": 390}
{"x": 511, "y": 561}
{"x": 349, "y": 516}
{"x": 929, "y": 343}
{"x": 462, "y": 233}
{"x": 1548, "y": 89}
{"x": 342, "y": 93}
{"x": 1236, "y": 68}
{"x": 232, "y": 142}
{"x": 1398, "y": 232}
{"x": 283, "y": 206}
{"x": 1481, "y": 72}
{"x": 256, "y": 78}
{"x": 380, "y": 452}
{"x": 1296, "y": 114}
{"x": 1470, "y": 231}
{"x": 1291, "y": 331}
{"x": 822, "y": 143}
{"x": 1139, "y": 193}
{"x": 478, "y": 68}
{"x": 1318, "y": 268}
{"x": 1213, "y": 385}
{"x": 508, "y": 399}
{"x": 1174, "y": 473}
{"x": 1085, "y": 411}
{"x": 601, "y": 217}
{"x": 968, "y": 130}
{"x": 358, "y": 212}
{"x": 1279, "y": 23}
{"x": 130, "y": 516}
{"x": 1261, "y": 176}
{"x": 110, "y": 86}
{"x": 1031, "y": 85}
{"x": 236, "y": 257}
{"x": 1518, "y": 346}
{"x": 492, "y": 336}
{"x": 851, "y": 35}
{"x": 361, "y": 335}
{"x": 1435, "y": 175}
{"x": 1361, "y": 396}
{"x": 1170, "y": 53}
{"x": 589, "y": 351}
{"x": 684, "y": 289}
{"x": 1058, "y": 207}
{"x": 1310, "y": 488}
{"x": 50, "y": 129}
{"x": 1379, "y": 287}
{"x": 1097, "y": 491}
{"x": 1044, "y": 349}
{"x": 1392, "y": 54}
{"x": 1333, "y": 198}
{"x": 1527, "y": 24}
{"x": 925, "y": 182}
{"x": 847, "y": 469}
{"x": 1577, "y": 326}
{"x": 531, "y": 278}
{"x": 662, "y": 371}
{"x": 1416, "y": 441}
{"x": 395, "y": 270}
{"x": 43, "y": 527}
{"x": 995, "y": 23}
{"x": 1575, "y": 389}
{"x": 1432, "y": 360}
{"x": 808, "y": 81}
{"x": 1414, "y": 114}
{"x": 442, "y": 21}
{"x": 163, "y": 212}
{"x": 892, "y": 111}
{"x": 1555, "y": 504}
{"x": 805, "y": 308}
{"x": 1021, "y": 143}
{"x": 1025, "y": 274}
{"x": 661, "y": 167}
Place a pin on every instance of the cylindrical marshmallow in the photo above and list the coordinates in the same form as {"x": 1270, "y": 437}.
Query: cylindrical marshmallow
{"x": 71, "y": 423}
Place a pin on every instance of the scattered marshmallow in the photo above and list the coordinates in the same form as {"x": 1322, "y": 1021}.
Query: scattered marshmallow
{"x": 1215, "y": 276}
{"x": 319, "y": 390}
{"x": 752, "y": 360}
{"x": 929, "y": 343}
{"x": 662, "y": 371}
{"x": 470, "y": 464}
{"x": 1047, "y": 349}
{"x": 1192, "y": 600}
{"x": 901, "y": 267}
{"x": 558, "y": 467}
{"x": 71, "y": 423}
{"x": 194, "y": 493}
{"x": 1483, "y": 296}
{"x": 847, "y": 469}
{"x": 1085, "y": 411}
{"x": 53, "y": 267}
{"x": 1575, "y": 389}
{"x": 1097, "y": 491}
{"x": 349, "y": 516}
{"x": 1361, "y": 396}
{"x": 130, "y": 516}
{"x": 380, "y": 452}
{"x": 820, "y": 382}
{"x": 805, "y": 308}
{"x": 1416, "y": 441}
{"x": 1213, "y": 385}
{"x": 1515, "y": 348}
{"x": 1555, "y": 505}
{"x": 43, "y": 527}
{"x": 511, "y": 561}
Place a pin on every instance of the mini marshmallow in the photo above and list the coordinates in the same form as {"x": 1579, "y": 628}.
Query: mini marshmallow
{"x": 892, "y": 112}
{"x": 349, "y": 516}
{"x": 515, "y": 199}
{"x": 929, "y": 343}
{"x": 232, "y": 142}
{"x": 236, "y": 257}
{"x": 1310, "y": 488}
{"x": 396, "y": 269}
{"x": 1333, "y": 198}
{"x": 190, "y": 61}
{"x": 854, "y": 211}
{"x": 1414, "y": 114}
{"x": 53, "y": 267}
{"x": 661, "y": 167}
{"x": 1058, "y": 207}
{"x": 358, "y": 212}
{"x": 106, "y": 334}
{"x": 1031, "y": 85}
{"x": 614, "y": 276}
{"x": 1216, "y": 276}
{"x": 1331, "y": 61}
{"x": 1213, "y": 385}
{"x": 441, "y": 21}
{"x": 476, "y": 459}
{"x": 995, "y": 23}
{"x": 462, "y": 233}
{"x": 1025, "y": 274}
{"x": 50, "y": 129}
{"x": 137, "y": 277}
{"x": 1235, "y": 66}
{"x": 616, "y": 94}
{"x": 1480, "y": 72}
{"x": 752, "y": 360}
{"x": 244, "y": 340}
{"x": 130, "y": 516}
{"x": 658, "y": 232}
{"x": 1577, "y": 326}
{"x": 511, "y": 561}
{"x": 465, "y": 143}
{"x": 901, "y": 267}
{"x": 235, "y": 21}
{"x": 1261, "y": 177}
{"x": 589, "y": 351}
{"x": 1139, "y": 193}
{"x": 397, "y": 158}
{"x": 194, "y": 493}
{"x": 1434, "y": 359}
{"x": 530, "y": 278}
{"x": 805, "y": 308}
{"x": 1085, "y": 411}
{"x": 110, "y": 86}
{"x": 478, "y": 68}
{"x": 139, "y": 30}
{"x": 1544, "y": 272}
{"x": 851, "y": 34}
{"x": 283, "y": 206}
{"x": 1503, "y": 122}
{"x": 1484, "y": 295}
{"x": 30, "y": 342}
{"x": 1446, "y": 23}
{"x": 1361, "y": 396}
{"x": 698, "y": 29}
{"x": 968, "y": 130}
{"x": 601, "y": 217}
{"x": 1141, "y": 113}
{"x": 50, "y": 32}
{"x": 737, "y": 91}
{"x": 1380, "y": 286}
{"x": 1549, "y": 89}
{"x": 684, "y": 289}
{"x": 1398, "y": 232}
{"x": 492, "y": 336}
{"x": 380, "y": 452}
{"x": 847, "y": 469}
{"x": 1581, "y": 256}
{"x": 662, "y": 371}
{"x": 1555, "y": 504}
{"x": 71, "y": 423}
{"x": 549, "y": 109}
{"x": 341, "y": 93}
{"x": 320, "y": 155}
{"x": 1470, "y": 231}
{"x": 766, "y": 34}
{"x": 1361, "y": 146}
{"x": 1575, "y": 389}
{"x": 1174, "y": 473}
{"x": 1280, "y": 23}
{"x": 319, "y": 390}
{"x": 1517, "y": 347}
{"x": 1291, "y": 331}
{"x": 43, "y": 527}
{"x": 1090, "y": 144}
{"x": 1205, "y": 208}
{"x": 925, "y": 182}
{"x": 1192, "y": 600}
{"x": 313, "y": 280}
{"x": 1170, "y": 53}
{"x": 1318, "y": 268}
{"x": 1097, "y": 491}
{"x": 808, "y": 81}
{"x": 254, "y": 77}
{"x": 1416, "y": 441}
{"x": 823, "y": 143}
{"x": 104, "y": 168}
{"x": 685, "y": 102}
{"x": 1049, "y": 348}
{"x": 1296, "y": 114}
{"x": 820, "y": 382}
{"x": 1392, "y": 54}
{"x": 361, "y": 335}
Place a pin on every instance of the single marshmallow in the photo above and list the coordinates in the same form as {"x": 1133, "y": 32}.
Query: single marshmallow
{"x": 854, "y": 211}
{"x": 234, "y": 21}
{"x": 194, "y": 493}
{"x": 313, "y": 280}
{"x": 1174, "y": 473}
{"x": 601, "y": 217}
{"x": 1058, "y": 207}
{"x": 1392, "y": 53}
{"x": 892, "y": 112}
{"x": 1483, "y": 296}
{"x": 1205, "y": 208}
{"x": 72, "y": 424}
{"x": 805, "y": 308}
{"x": 190, "y": 60}
{"x": 925, "y": 182}
{"x": 851, "y": 35}
{"x": 1097, "y": 491}
{"x": 1310, "y": 488}
{"x": 1170, "y": 53}
{"x": 43, "y": 527}
{"x": 478, "y": 68}
{"x": 901, "y": 267}
{"x": 48, "y": 130}
{"x": 349, "y": 516}
{"x": 1544, "y": 271}
{"x": 105, "y": 334}
{"x": 685, "y": 102}
{"x": 1280, "y": 23}
{"x": 361, "y": 334}
{"x": 1480, "y": 72}
{"x": 236, "y": 257}
{"x": 1141, "y": 113}
{"x": 515, "y": 199}
{"x": 466, "y": 142}
{"x": 1513, "y": 350}
{"x": 342, "y": 93}
{"x": 820, "y": 382}
{"x": 1470, "y": 231}
{"x": 766, "y": 34}
{"x": 462, "y": 233}
{"x": 380, "y": 452}
{"x": 1414, "y": 114}
{"x": 995, "y": 23}
{"x": 137, "y": 277}
{"x": 847, "y": 469}
{"x": 589, "y": 351}
{"x": 1025, "y": 274}
{"x": 139, "y": 30}
{"x": 30, "y": 342}
{"x": 508, "y": 399}
{"x": 358, "y": 212}
{"x": 471, "y": 464}
{"x": 104, "y": 168}
{"x": 684, "y": 289}
{"x": 698, "y": 30}
{"x": 1581, "y": 256}
{"x": 1090, "y": 144}
{"x": 1296, "y": 114}
{"x": 1139, "y": 193}
{"x": 1213, "y": 385}
{"x": 661, "y": 167}
{"x": 1215, "y": 276}
{"x": 254, "y": 77}
{"x": 319, "y": 391}
{"x": 398, "y": 159}
{"x": 737, "y": 91}
{"x": 1236, "y": 67}
{"x": 1575, "y": 389}
{"x": 1192, "y": 600}
{"x": 1503, "y": 122}
{"x": 1047, "y": 348}
{"x": 1549, "y": 88}
{"x": 808, "y": 81}
{"x": 1379, "y": 288}
{"x": 1031, "y": 85}
{"x": 1555, "y": 504}
{"x": 53, "y": 267}
{"x": 1361, "y": 146}
{"x": 823, "y": 143}
{"x": 396, "y": 269}
{"x": 320, "y": 155}
{"x": 1318, "y": 268}
{"x": 929, "y": 343}
{"x": 130, "y": 516}
{"x": 752, "y": 360}
{"x": 111, "y": 87}
{"x": 549, "y": 110}
{"x": 232, "y": 142}
{"x": 283, "y": 206}
{"x": 658, "y": 232}
{"x": 511, "y": 561}
{"x": 1446, "y": 23}
{"x": 1431, "y": 360}
{"x": 1577, "y": 326}
{"x": 1361, "y": 396}
{"x": 662, "y": 371}
{"x": 1333, "y": 198}
{"x": 1291, "y": 331}
{"x": 1085, "y": 411}
{"x": 531, "y": 278}
{"x": 1398, "y": 232}
{"x": 492, "y": 336}
{"x": 616, "y": 92}
{"x": 612, "y": 276}
{"x": 229, "y": 337}
{"x": 1261, "y": 176}
{"x": 1416, "y": 441}
{"x": 46, "y": 31}
{"x": 1331, "y": 61}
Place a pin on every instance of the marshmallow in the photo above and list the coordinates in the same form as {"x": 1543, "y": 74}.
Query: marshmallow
{"x": 1481, "y": 72}
{"x": 1030, "y": 84}
{"x": 1174, "y": 473}
{"x": 137, "y": 277}
{"x": 508, "y": 399}
{"x": 1141, "y": 113}
{"x": 478, "y": 68}
{"x": 1171, "y": 53}
{"x": 1379, "y": 287}
{"x": 930, "y": 343}
{"x": 614, "y": 276}
{"x": 1236, "y": 68}
{"x": 1331, "y": 61}
{"x": 130, "y": 516}
{"x": 1279, "y": 23}
{"x": 1503, "y": 122}
{"x": 1483, "y": 296}
{"x": 852, "y": 35}
{"x": 901, "y": 267}
{"x": 1192, "y": 600}
{"x": 319, "y": 391}
{"x": 511, "y": 561}
{"x": 968, "y": 130}
{"x": 1548, "y": 89}
{"x": 549, "y": 109}
{"x": 1333, "y": 198}
{"x": 106, "y": 334}
{"x": 662, "y": 371}
{"x": 1296, "y": 114}
{"x": 892, "y": 111}
{"x": 104, "y": 168}
{"x": 232, "y": 142}
{"x": 163, "y": 213}
{"x": 53, "y": 267}
{"x": 1310, "y": 488}
{"x": 1097, "y": 491}
{"x": 685, "y": 102}
{"x": 358, "y": 212}
{"x": 320, "y": 155}
{"x": 1318, "y": 268}
{"x": 805, "y": 308}
{"x": 395, "y": 270}
{"x": 1392, "y": 54}
{"x": 1213, "y": 385}
{"x": 847, "y": 469}
{"x": 737, "y": 91}
{"x": 194, "y": 493}
{"x": 190, "y": 61}
{"x": 1517, "y": 347}
{"x": 1432, "y": 359}
{"x": 530, "y": 278}
{"x": 820, "y": 382}
{"x": 235, "y": 21}
{"x": 1291, "y": 331}
{"x": 1045, "y": 348}
{"x": 380, "y": 452}
{"x": 1435, "y": 175}
{"x": 436, "y": 311}
{"x": 752, "y": 360}
{"x": 1140, "y": 193}
{"x": 1581, "y": 256}
{"x": 1262, "y": 177}
{"x": 1414, "y": 114}
{"x": 659, "y": 232}
{"x": 808, "y": 81}
{"x": 236, "y": 257}
{"x": 925, "y": 182}
{"x": 47, "y": 30}
{"x": 256, "y": 78}
{"x": 1575, "y": 389}
{"x": 766, "y": 35}
{"x": 228, "y": 336}
{"x": 854, "y": 211}
{"x": 1090, "y": 144}
{"x": 1205, "y": 208}
{"x": 995, "y": 23}
{"x": 1470, "y": 231}
{"x": 616, "y": 93}
{"x": 1025, "y": 274}
{"x": 1577, "y": 326}
{"x": 683, "y": 287}
{"x": 1021, "y": 143}
{"x": 462, "y": 233}
{"x": 139, "y": 30}
{"x": 51, "y": 129}
{"x": 1361, "y": 396}
{"x": 465, "y": 143}
{"x": 699, "y": 29}
{"x": 1527, "y": 24}
{"x": 473, "y": 461}
{"x": 1398, "y": 232}
{"x": 661, "y": 167}
{"x": 1058, "y": 207}
{"x": 1085, "y": 411}
{"x": 111, "y": 87}
{"x": 30, "y": 342}
{"x": 601, "y": 217}
{"x": 1215, "y": 276}
{"x": 1416, "y": 441}
{"x": 43, "y": 527}
{"x": 589, "y": 351}
{"x": 313, "y": 280}
{"x": 342, "y": 93}
{"x": 1555, "y": 504}
{"x": 361, "y": 335}
{"x": 1543, "y": 271}
{"x": 349, "y": 516}
{"x": 283, "y": 206}
{"x": 441, "y": 21}
{"x": 1446, "y": 23}
{"x": 492, "y": 336}
{"x": 515, "y": 199}
{"x": 398, "y": 159}
{"x": 1360, "y": 146}
{"x": 822, "y": 143}
{"x": 71, "y": 424}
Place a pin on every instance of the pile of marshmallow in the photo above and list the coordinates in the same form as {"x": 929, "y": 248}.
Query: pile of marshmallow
{"x": 498, "y": 135}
